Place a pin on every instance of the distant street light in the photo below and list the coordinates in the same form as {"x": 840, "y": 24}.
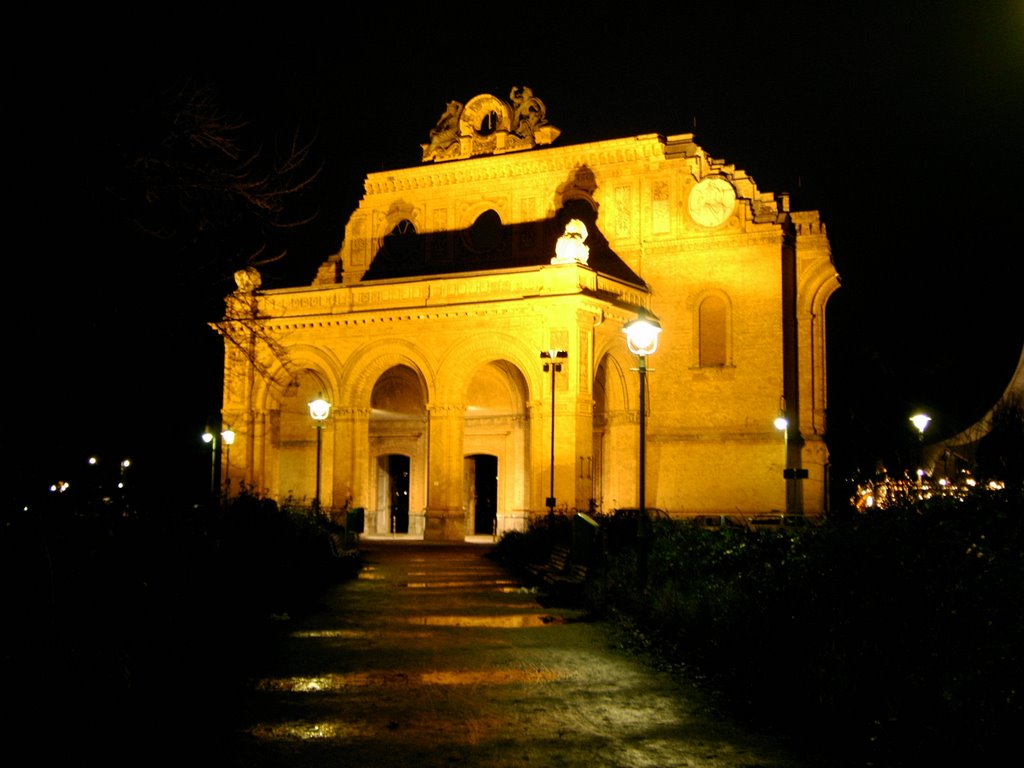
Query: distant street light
{"x": 642, "y": 340}
{"x": 920, "y": 420}
{"x": 554, "y": 367}
{"x": 319, "y": 410}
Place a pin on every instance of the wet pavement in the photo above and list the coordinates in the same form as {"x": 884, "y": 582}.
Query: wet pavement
{"x": 435, "y": 657}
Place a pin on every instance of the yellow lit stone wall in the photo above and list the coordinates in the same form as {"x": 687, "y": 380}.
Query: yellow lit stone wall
{"x": 438, "y": 362}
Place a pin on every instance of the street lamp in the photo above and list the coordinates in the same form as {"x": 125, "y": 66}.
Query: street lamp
{"x": 642, "y": 340}
{"x": 920, "y": 420}
{"x": 228, "y": 436}
{"x": 211, "y": 440}
{"x": 782, "y": 424}
{"x": 554, "y": 367}
{"x": 319, "y": 409}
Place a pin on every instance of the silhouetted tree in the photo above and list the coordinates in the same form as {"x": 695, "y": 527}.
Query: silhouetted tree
{"x": 203, "y": 186}
{"x": 1001, "y": 452}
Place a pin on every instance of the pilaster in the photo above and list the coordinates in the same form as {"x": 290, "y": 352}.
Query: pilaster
{"x": 446, "y": 515}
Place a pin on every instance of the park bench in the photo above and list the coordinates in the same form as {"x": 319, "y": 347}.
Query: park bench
{"x": 557, "y": 562}
{"x": 559, "y": 578}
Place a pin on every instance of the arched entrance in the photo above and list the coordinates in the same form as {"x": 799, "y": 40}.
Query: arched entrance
{"x": 398, "y": 447}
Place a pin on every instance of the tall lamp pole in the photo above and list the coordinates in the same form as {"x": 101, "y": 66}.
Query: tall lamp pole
{"x": 554, "y": 367}
{"x": 211, "y": 440}
{"x": 782, "y": 424}
{"x": 319, "y": 410}
{"x": 228, "y": 437}
{"x": 920, "y": 420}
{"x": 642, "y": 340}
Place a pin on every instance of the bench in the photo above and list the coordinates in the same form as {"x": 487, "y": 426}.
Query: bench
{"x": 573, "y": 575}
{"x": 560, "y": 578}
{"x": 557, "y": 562}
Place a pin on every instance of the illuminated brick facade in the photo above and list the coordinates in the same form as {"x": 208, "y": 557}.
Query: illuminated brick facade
{"x": 425, "y": 332}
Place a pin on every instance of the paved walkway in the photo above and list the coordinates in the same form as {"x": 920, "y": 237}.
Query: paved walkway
{"x": 434, "y": 657}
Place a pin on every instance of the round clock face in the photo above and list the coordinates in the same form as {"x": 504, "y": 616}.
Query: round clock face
{"x": 712, "y": 201}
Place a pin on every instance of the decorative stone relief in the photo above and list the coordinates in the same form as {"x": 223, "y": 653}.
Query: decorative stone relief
{"x": 712, "y": 201}
{"x": 661, "y": 222}
{"x": 487, "y": 125}
{"x": 623, "y": 211}
{"x": 248, "y": 280}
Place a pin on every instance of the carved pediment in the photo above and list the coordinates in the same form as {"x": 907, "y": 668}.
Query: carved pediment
{"x": 487, "y": 125}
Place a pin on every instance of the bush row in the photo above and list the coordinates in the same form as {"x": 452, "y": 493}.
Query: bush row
{"x": 114, "y": 613}
{"x": 889, "y": 638}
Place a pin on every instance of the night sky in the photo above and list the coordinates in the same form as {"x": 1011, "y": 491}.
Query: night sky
{"x": 900, "y": 122}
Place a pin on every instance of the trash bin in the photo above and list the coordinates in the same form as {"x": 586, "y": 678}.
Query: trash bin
{"x": 354, "y": 522}
{"x": 585, "y": 531}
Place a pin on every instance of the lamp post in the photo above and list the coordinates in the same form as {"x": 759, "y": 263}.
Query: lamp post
{"x": 554, "y": 367}
{"x": 319, "y": 410}
{"x": 782, "y": 424}
{"x": 123, "y": 484}
{"x": 920, "y": 420}
{"x": 211, "y": 439}
{"x": 228, "y": 436}
{"x": 642, "y": 340}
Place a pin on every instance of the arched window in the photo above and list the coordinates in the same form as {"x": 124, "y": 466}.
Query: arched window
{"x": 712, "y": 327}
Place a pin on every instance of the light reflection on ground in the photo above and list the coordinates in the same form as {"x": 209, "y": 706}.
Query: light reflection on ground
{"x": 342, "y": 634}
{"x": 346, "y": 634}
{"x": 338, "y": 682}
{"x": 305, "y": 731}
{"x": 512, "y": 621}
{"x": 457, "y": 584}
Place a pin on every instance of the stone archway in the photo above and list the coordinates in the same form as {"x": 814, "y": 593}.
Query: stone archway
{"x": 612, "y": 435}
{"x": 299, "y": 436}
{"x": 398, "y": 451}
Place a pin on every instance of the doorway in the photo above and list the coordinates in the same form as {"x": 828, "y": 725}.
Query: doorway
{"x": 483, "y": 493}
{"x": 397, "y": 473}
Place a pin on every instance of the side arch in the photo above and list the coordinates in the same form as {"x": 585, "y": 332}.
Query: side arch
{"x": 368, "y": 363}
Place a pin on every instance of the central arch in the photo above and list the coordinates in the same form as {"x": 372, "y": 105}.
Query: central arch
{"x": 398, "y": 450}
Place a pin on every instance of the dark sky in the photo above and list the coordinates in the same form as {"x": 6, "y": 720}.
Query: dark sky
{"x": 901, "y": 122}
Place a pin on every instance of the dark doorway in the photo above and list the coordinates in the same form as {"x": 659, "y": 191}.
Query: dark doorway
{"x": 398, "y": 491}
{"x": 485, "y": 485}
